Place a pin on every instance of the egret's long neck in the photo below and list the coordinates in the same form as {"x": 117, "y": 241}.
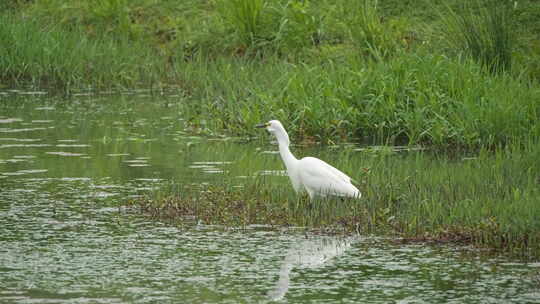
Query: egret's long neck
{"x": 286, "y": 155}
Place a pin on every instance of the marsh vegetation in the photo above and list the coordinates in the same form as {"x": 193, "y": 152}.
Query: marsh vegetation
{"x": 483, "y": 199}
{"x": 461, "y": 80}
{"x": 441, "y": 73}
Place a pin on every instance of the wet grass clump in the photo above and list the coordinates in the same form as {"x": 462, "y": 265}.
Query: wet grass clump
{"x": 253, "y": 205}
{"x": 484, "y": 30}
{"x": 484, "y": 199}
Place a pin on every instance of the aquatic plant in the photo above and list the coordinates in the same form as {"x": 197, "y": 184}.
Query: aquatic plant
{"x": 490, "y": 200}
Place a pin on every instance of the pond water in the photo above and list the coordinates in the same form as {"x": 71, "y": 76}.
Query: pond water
{"x": 67, "y": 166}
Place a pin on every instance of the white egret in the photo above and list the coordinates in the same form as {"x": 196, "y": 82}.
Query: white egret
{"x": 309, "y": 173}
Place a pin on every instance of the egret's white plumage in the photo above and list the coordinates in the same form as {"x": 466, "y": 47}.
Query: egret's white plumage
{"x": 309, "y": 173}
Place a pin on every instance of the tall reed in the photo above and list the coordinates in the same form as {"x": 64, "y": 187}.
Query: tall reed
{"x": 373, "y": 37}
{"x": 53, "y": 57}
{"x": 483, "y": 30}
{"x": 413, "y": 99}
{"x": 246, "y": 17}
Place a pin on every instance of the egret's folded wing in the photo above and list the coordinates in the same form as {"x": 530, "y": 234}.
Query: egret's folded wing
{"x": 323, "y": 178}
{"x": 313, "y": 162}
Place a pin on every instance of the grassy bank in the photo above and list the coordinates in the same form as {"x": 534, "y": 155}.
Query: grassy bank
{"x": 382, "y": 72}
{"x": 412, "y": 99}
{"x": 483, "y": 199}
{"x": 62, "y": 61}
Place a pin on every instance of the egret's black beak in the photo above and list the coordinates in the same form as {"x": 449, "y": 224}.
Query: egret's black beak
{"x": 263, "y": 125}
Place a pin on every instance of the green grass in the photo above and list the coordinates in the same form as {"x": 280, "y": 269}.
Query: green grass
{"x": 52, "y": 57}
{"x": 374, "y": 38}
{"x": 376, "y": 71}
{"x": 487, "y": 199}
{"x": 483, "y": 30}
{"x": 412, "y": 99}
{"x": 246, "y": 18}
